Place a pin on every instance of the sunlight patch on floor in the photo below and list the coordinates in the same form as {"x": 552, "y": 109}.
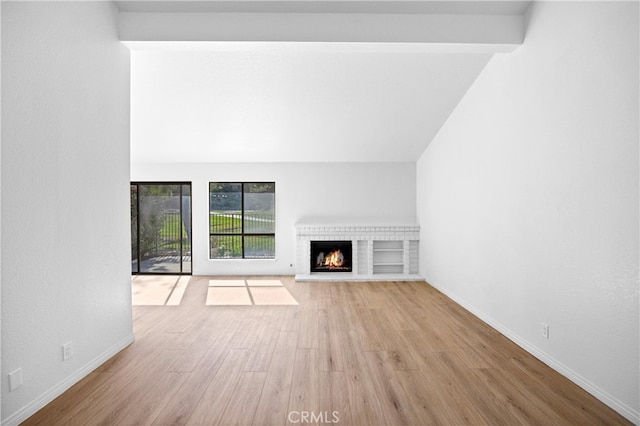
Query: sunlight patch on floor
{"x": 226, "y": 283}
{"x": 249, "y": 292}
{"x": 157, "y": 290}
{"x": 265, "y": 283}
{"x": 178, "y": 291}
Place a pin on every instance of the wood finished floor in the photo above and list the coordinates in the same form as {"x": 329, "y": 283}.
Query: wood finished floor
{"x": 383, "y": 353}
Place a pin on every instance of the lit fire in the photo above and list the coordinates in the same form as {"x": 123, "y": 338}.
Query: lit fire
{"x": 334, "y": 259}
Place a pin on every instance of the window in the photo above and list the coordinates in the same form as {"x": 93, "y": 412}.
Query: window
{"x": 160, "y": 228}
{"x": 242, "y": 220}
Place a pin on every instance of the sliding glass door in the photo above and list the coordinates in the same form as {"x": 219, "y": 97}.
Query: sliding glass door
{"x": 161, "y": 228}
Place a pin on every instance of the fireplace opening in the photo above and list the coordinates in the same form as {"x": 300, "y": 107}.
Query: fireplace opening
{"x": 331, "y": 256}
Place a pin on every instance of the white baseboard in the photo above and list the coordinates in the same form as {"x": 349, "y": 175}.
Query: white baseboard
{"x": 31, "y": 408}
{"x": 628, "y": 412}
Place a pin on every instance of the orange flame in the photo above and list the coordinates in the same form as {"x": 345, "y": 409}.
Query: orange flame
{"x": 334, "y": 259}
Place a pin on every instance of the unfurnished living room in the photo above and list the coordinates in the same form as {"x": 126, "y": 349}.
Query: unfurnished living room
{"x": 320, "y": 212}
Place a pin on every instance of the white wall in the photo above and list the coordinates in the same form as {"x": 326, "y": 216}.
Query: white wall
{"x": 352, "y": 192}
{"x": 65, "y": 196}
{"x": 528, "y": 196}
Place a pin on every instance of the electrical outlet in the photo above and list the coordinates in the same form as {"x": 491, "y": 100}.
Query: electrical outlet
{"x": 67, "y": 351}
{"x": 15, "y": 379}
{"x": 544, "y": 330}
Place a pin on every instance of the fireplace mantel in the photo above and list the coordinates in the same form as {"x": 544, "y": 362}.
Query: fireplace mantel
{"x": 385, "y": 252}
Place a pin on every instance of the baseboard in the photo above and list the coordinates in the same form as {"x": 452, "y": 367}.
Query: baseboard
{"x": 628, "y": 412}
{"x": 30, "y": 409}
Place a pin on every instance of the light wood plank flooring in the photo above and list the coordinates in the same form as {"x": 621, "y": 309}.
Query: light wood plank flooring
{"x": 383, "y": 353}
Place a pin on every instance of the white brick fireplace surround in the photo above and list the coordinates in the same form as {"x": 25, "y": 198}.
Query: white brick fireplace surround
{"x": 380, "y": 252}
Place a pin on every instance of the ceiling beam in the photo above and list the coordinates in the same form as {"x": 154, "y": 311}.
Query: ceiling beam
{"x": 500, "y": 33}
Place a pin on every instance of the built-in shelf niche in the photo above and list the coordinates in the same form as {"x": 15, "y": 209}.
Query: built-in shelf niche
{"x": 388, "y": 257}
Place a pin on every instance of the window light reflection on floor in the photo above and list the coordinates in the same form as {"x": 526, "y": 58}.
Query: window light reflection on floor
{"x": 150, "y": 290}
{"x": 249, "y": 292}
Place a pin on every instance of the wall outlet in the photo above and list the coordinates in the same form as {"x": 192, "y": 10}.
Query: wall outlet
{"x": 15, "y": 379}
{"x": 544, "y": 330}
{"x": 67, "y": 351}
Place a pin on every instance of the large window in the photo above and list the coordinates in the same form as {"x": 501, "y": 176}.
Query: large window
{"x": 242, "y": 220}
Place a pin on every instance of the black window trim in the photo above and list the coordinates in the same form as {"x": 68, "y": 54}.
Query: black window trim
{"x": 242, "y": 233}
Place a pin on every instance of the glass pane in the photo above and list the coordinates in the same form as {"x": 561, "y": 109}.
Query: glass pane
{"x": 259, "y": 247}
{"x": 160, "y": 227}
{"x": 259, "y": 208}
{"x": 134, "y": 229}
{"x": 186, "y": 229}
{"x": 225, "y": 208}
{"x": 225, "y": 247}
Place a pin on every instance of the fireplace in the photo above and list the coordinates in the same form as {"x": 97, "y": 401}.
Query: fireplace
{"x": 331, "y": 256}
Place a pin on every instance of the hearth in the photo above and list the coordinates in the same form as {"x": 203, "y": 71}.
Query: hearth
{"x": 331, "y": 256}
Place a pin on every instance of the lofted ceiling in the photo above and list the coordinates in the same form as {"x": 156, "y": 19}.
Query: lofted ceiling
{"x": 304, "y": 81}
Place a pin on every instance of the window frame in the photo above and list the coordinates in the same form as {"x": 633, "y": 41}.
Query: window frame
{"x": 243, "y": 234}
{"x": 136, "y": 227}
